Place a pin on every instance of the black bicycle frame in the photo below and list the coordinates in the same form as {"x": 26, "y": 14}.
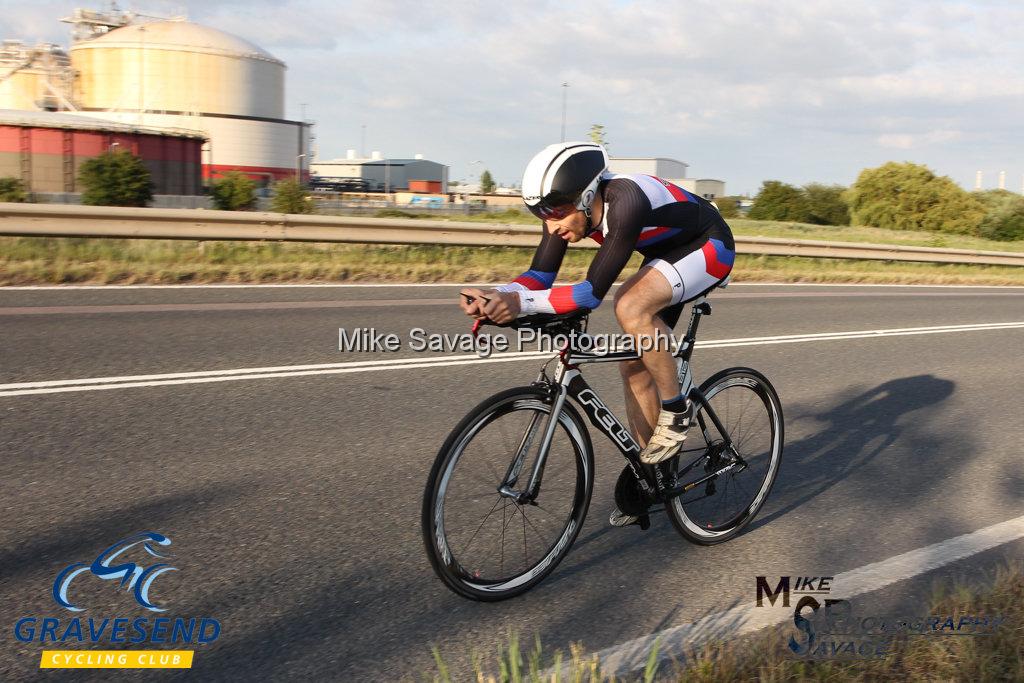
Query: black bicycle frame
{"x": 568, "y": 382}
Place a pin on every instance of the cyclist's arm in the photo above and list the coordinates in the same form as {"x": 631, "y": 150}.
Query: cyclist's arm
{"x": 627, "y": 209}
{"x": 546, "y": 262}
{"x": 609, "y": 261}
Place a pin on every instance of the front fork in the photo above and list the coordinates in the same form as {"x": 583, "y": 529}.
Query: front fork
{"x": 559, "y": 390}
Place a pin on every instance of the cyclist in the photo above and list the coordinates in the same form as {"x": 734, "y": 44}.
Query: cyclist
{"x": 688, "y": 249}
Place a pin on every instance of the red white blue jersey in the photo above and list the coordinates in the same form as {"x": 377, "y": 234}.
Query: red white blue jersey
{"x": 641, "y": 213}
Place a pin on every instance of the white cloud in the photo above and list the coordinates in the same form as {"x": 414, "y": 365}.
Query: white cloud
{"x": 742, "y": 90}
{"x": 910, "y": 140}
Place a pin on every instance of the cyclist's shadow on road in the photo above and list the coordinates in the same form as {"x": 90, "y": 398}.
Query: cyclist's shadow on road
{"x": 849, "y": 436}
{"x": 853, "y": 434}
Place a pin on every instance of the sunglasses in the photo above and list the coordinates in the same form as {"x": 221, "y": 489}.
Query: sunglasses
{"x": 554, "y": 207}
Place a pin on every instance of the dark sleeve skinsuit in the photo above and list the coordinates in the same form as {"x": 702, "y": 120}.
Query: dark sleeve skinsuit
{"x": 680, "y": 234}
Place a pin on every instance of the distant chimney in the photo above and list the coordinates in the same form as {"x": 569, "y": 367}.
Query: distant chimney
{"x": 1002, "y": 180}
{"x": 376, "y": 156}
{"x": 350, "y": 154}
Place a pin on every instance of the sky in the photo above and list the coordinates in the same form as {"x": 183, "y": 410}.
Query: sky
{"x": 742, "y": 91}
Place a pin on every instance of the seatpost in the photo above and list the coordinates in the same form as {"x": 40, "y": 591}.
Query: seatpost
{"x": 700, "y": 307}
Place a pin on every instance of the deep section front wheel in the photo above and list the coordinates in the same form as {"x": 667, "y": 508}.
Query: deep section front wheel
{"x": 489, "y": 546}
{"x": 730, "y": 473}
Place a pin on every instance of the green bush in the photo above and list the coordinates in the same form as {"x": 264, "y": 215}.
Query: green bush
{"x": 12, "y": 190}
{"x": 115, "y": 178}
{"x": 906, "y": 196}
{"x": 1004, "y": 215}
{"x": 487, "y": 184}
{"x": 825, "y": 204}
{"x": 778, "y": 201}
{"x": 290, "y": 196}
{"x": 234, "y": 191}
{"x": 729, "y": 207}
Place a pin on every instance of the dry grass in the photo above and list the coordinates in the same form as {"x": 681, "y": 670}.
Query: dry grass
{"x": 36, "y": 260}
{"x": 765, "y": 658}
{"x": 864, "y": 234}
{"x": 752, "y": 228}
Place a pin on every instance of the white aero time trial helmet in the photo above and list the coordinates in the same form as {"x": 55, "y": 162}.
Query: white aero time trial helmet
{"x": 563, "y": 177}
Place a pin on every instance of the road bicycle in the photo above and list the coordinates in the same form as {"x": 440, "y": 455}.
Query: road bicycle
{"x": 510, "y": 488}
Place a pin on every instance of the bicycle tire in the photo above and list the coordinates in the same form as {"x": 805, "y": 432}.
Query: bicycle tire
{"x": 699, "y": 531}
{"x": 444, "y": 561}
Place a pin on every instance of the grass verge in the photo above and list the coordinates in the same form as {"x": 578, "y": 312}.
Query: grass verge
{"x": 764, "y": 657}
{"x": 751, "y": 228}
{"x": 39, "y": 260}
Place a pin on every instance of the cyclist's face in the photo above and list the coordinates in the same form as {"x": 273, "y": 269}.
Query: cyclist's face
{"x": 572, "y": 228}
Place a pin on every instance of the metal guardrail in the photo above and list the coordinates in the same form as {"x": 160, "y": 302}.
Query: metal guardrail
{"x": 198, "y": 224}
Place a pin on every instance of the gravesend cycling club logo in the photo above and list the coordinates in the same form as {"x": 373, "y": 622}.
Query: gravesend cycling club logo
{"x": 138, "y": 578}
{"x": 133, "y": 564}
{"x": 831, "y": 629}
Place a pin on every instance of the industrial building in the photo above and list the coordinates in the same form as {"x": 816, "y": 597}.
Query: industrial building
{"x": 46, "y": 150}
{"x": 34, "y": 77}
{"x": 670, "y": 170}
{"x": 666, "y": 169}
{"x": 166, "y": 74}
{"x": 384, "y": 175}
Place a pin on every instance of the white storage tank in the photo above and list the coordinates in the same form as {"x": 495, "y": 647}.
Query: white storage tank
{"x": 178, "y": 66}
{"x": 178, "y": 74}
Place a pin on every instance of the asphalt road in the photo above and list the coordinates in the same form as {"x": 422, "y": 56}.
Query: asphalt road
{"x": 293, "y": 501}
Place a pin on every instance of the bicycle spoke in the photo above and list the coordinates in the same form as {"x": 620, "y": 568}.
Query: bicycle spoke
{"x": 482, "y": 545}
{"x": 501, "y": 564}
{"x": 532, "y": 526}
{"x": 744, "y": 441}
{"x": 738, "y": 431}
{"x": 484, "y": 521}
{"x": 741, "y": 487}
{"x": 504, "y": 527}
{"x": 526, "y": 559}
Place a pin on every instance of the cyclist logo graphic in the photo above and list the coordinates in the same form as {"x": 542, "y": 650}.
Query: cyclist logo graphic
{"x": 134, "y": 576}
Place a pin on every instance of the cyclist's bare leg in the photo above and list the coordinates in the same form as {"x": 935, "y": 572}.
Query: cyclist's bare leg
{"x": 637, "y": 304}
{"x": 642, "y": 403}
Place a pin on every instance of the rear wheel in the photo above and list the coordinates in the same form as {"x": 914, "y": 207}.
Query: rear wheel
{"x": 731, "y": 472}
{"x": 488, "y": 546}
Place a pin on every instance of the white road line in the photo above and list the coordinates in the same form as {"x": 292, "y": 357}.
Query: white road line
{"x": 281, "y": 285}
{"x": 678, "y": 641}
{"x": 269, "y": 371}
{"x": 207, "y": 376}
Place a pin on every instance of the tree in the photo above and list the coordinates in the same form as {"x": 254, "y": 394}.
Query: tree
{"x": 596, "y": 135}
{"x": 290, "y": 196}
{"x": 487, "y": 183}
{"x": 234, "y": 191}
{"x": 778, "y": 201}
{"x": 906, "y": 196}
{"x": 115, "y": 178}
{"x": 729, "y": 207}
{"x": 12, "y": 190}
{"x": 1004, "y": 215}
{"x": 825, "y": 204}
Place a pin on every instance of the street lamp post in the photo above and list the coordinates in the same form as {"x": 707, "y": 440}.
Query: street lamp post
{"x": 565, "y": 98}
